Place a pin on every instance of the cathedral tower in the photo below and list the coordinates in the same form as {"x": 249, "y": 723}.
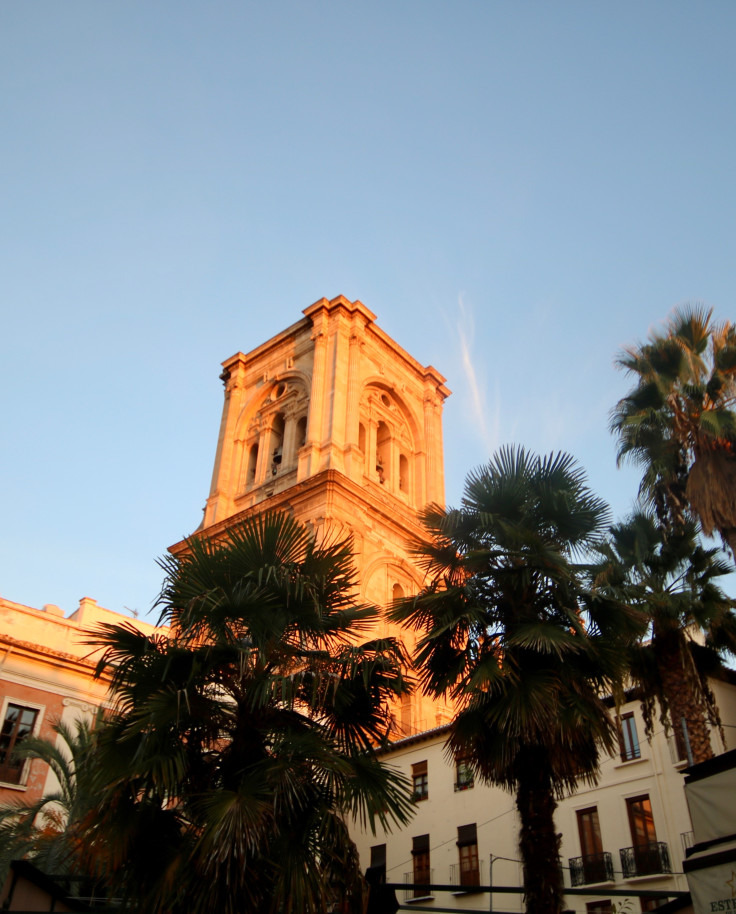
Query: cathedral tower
{"x": 334, "y": 421}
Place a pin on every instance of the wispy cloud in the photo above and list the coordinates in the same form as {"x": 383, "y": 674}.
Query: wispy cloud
{"x": 488, "y": 421}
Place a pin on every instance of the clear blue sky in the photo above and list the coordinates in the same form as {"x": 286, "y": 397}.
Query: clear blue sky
{"x": 516, "y": 189}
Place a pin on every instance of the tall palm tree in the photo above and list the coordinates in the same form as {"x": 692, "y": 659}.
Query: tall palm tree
{"x": 690, "y": 624}
{"x": 508, "y": 630}
{"x": 46, "y": 830}
{"x": 679, "y": 421}
{"x": 242, "y": 741}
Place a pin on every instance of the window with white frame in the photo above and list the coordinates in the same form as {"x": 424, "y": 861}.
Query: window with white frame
{"x": 18, "y": 723}
{"x": 464, "y": 777}
{"x": 628, "y": 737}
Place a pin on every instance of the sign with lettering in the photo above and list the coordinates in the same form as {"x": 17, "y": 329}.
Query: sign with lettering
{"x": 713, "y": 888}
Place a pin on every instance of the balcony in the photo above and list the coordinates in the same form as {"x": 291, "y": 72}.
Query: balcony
{"x": 591, "y": 869}
{"x": 464, "y": 876}
{"x": 645, "y": 860}
{"x": 418, "y": 883}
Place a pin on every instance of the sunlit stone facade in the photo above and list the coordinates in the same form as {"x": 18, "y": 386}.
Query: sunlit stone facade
{"x": 334, "y": 421}
{"x": 47, "y": 676}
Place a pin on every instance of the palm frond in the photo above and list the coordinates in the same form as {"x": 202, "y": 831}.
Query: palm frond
{"x": 246, "y": 734}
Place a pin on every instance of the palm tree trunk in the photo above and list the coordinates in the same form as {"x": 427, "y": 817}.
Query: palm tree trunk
{"x": 539, "y": 843}
{"x": 681, "y": 687}
{"x": 729, "y": 534}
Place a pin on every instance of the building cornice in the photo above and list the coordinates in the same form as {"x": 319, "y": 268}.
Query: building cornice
{"x": 392, "y": 512}
{"x": 31, "y": 651}
{"x": 327, "y": 306}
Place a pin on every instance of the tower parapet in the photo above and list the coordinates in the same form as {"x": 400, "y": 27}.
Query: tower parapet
{"x": 331, "y": 392}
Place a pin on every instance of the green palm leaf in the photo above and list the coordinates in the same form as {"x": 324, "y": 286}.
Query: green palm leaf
{"x": 248, "y": 734}
{"x": 500, "y": 629}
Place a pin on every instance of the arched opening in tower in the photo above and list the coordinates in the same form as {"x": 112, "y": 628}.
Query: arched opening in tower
{"x": 383, "y": 453}
{"x": 250, "y": 476}
{"x": 277, "y": 442}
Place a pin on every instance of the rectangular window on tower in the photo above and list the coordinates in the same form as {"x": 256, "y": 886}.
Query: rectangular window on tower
{"x": 419, "y": 780}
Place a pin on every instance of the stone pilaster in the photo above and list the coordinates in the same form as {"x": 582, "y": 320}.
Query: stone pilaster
{"x": 219, "y": 503}
{"x": 315, "y": 426}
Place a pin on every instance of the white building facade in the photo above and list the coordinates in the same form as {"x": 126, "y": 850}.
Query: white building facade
{"x": 627, "y": 834}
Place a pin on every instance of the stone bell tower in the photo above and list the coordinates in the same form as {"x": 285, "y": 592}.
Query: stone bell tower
{"x": 334, "y": 421}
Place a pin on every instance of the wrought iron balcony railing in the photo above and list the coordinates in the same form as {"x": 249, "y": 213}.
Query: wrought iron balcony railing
{"x": 645, "y": 860}
{"x": 591, "y": 868}
{"x": 465, "y": 876}
{"x": 418, "y": 883}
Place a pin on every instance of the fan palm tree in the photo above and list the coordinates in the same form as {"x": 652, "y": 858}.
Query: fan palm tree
{"x": 690, "y": 624}
{"x": 509, "y": 631}
{"x": 242, "y": 741}
{"x": 679, "y": 422}
{"x": 46, "y": 831}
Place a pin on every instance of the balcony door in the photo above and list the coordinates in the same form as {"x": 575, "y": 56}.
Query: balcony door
{"x": 591, "y": 846}
{"x": 643, "y": 836}
{"x": 467, "y": 845}
{"x": 422, "y": 872}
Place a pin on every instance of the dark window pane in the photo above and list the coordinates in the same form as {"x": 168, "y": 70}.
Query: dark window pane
{"x": 628, "y": 738}
{"x": 18, "y": 723}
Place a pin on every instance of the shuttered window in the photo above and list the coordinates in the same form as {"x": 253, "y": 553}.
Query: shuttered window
{"x": 420, "y": 844}
{"x": 422, "y": 872}
{"x": 467, "y": 843}
{"x": 467, "y": 834}
{"x": 377, "y": 871}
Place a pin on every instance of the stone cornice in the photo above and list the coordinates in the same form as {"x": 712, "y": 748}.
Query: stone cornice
{"x": 391, "y": 511}
{"x": 427, "y": 373}
{"x": 39, "y": 652}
